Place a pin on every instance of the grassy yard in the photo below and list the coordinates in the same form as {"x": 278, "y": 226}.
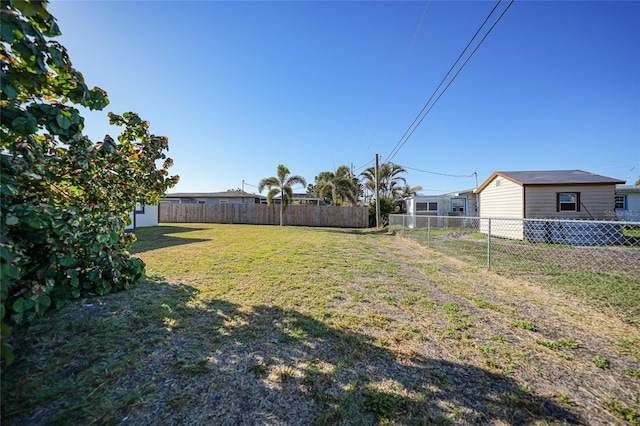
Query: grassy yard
{"x": 606, "y": 277}
{"x": 239, "y": 324}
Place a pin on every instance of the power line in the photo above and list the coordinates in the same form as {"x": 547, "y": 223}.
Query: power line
{"x": 363, "y": 166}
{"x": 420, "y": 117}
{"x": 439, "y": 174}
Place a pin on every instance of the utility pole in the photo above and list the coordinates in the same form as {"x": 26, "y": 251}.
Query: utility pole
{"x": 243, "y": 186}
{"x": 377, "y": 195}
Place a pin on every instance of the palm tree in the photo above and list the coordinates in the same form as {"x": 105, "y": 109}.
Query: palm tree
{"x": 337, "y": 187}
{"x": 408, "y": 191}
{"x": 388, "y": 179}
{"x": 281, "y": 185}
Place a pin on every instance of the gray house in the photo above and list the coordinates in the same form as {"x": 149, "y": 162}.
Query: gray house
{"x": 459, "y": 203}
{"x": 308, "y": 199}
{"x": 226, "y": 197}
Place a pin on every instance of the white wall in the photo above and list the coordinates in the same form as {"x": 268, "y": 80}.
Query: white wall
{"x": 148, "y": 218}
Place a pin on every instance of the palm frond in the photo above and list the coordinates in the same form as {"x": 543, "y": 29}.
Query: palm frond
{"x": 295, "y": 179}
{"x": 283, "y": 171}
{"x": 287, "y": 196}
{"x": 269, "y": 183}
{"x": 273, "y": 192}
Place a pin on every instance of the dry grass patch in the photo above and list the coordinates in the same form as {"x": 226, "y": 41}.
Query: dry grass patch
{"x": 270, "y": 325}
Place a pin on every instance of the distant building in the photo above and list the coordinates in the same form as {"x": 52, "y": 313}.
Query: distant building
{"x": 226, "y": 197}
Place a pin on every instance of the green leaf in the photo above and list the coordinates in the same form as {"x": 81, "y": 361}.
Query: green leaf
{"x": 6, "y": 33}
{"x": 9, "y": 272}
{"x": 22, "y": 305}
{"x": 27, "y": 9}
{"x": 44, "y": 301}
{"x": 63, "y": 121}
{"x": 11, "y": 220}
{"x": 6, "y": 331}
{"x": 10, "y": 91}
{"x": 114, "y": 237}
{"x": 7, "y": 353}
{"x": 8, "y": 190}
{"x": 31, "y": 126}
{"x": 19, "y": 125}
{"x": 67, "y": 261}
{"x": 35, "y": 222}
{"x": 95, "y": 275}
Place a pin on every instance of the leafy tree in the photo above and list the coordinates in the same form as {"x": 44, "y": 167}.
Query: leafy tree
{"x": 386, "y": 207}
{"x": 638, "y": 181}
{"x": 65, "y": 200}
{"x": 281, "y": 185}
{"x": 337, "y": 187}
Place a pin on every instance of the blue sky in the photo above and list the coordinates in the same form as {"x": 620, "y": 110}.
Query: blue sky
{"x": 240, "y": 87}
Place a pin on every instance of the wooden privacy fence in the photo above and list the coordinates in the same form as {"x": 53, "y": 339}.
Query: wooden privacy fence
{"x": 263, "y": 214}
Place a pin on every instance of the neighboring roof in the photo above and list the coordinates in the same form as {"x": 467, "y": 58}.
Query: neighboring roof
{"x": 448, "y": 194}
{"x": 306, "y": 196}
{"x": 225, "y": 194}
{"x": 551, "y": 177}
{"x": 301, "y": 196}
{"x": 628, "y": 188}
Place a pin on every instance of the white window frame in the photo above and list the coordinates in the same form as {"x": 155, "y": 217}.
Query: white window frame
{"x": 562, "y": 203}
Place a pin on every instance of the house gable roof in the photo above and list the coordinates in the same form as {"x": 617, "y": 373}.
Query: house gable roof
{"x": 439, "y": 196}
{"x": 551, "y": 177}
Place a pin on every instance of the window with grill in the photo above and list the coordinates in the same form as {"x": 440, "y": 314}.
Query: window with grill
{"x": 621, "y": 202}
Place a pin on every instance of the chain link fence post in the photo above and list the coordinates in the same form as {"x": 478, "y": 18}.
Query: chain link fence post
{"x": 489, "y": 245}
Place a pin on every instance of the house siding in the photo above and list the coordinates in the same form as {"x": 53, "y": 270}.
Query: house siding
{"x": 596, "y": 201}
{"x": 502, "y": 198}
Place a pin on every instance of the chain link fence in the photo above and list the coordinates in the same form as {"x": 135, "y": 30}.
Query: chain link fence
{"x": 598, "y": 261}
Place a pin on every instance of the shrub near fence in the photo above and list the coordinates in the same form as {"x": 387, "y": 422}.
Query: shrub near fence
{"x": 263, "y": 214}
{"x": 599, "y": 261}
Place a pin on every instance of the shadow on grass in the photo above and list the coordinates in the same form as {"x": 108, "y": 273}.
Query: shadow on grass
{"x": 164, "y": 354}
{"x": 156, "y": 237}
